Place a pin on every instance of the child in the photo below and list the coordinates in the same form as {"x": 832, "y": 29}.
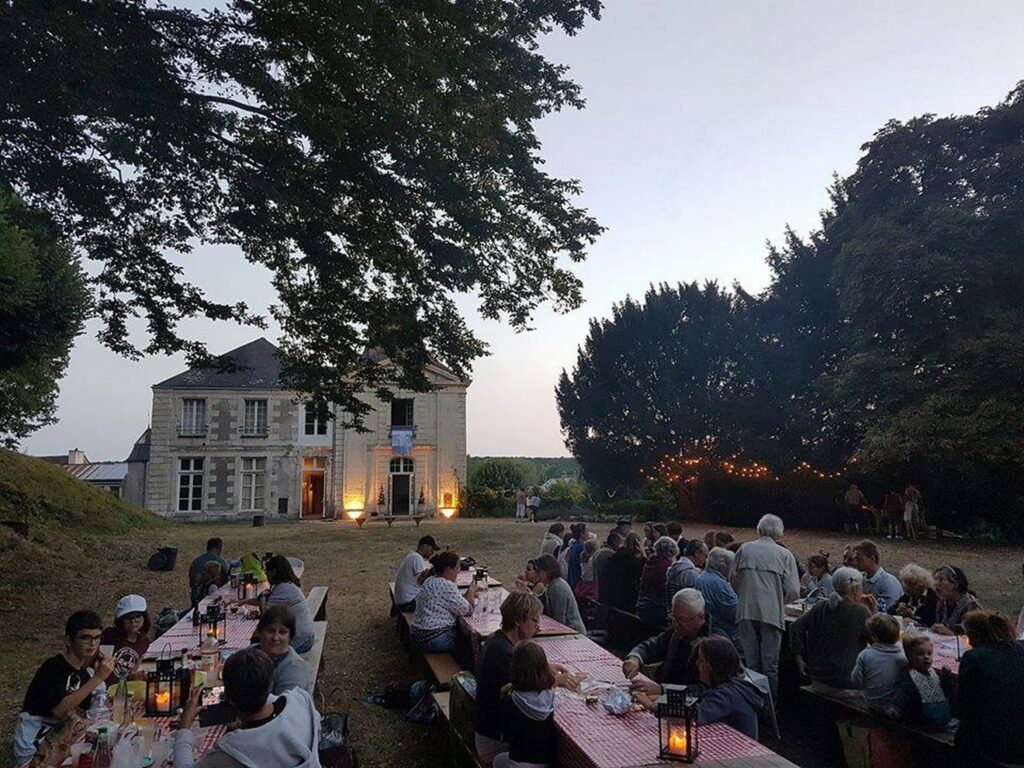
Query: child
{"x": 528, "y": 719}
{"x": 817, "y": 582}
{"x": 586, "y": 587}
{"x": 920, "y": 697}
{"x": 880, "y": 666}
{"x": 131, "y": 628}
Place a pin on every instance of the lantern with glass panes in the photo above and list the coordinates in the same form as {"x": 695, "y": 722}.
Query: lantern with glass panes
{"x": 246, "y": 586}
{"x": 168, "y": 687}
{"x": 677, "y": 724}
{"x": 215, "y": 620}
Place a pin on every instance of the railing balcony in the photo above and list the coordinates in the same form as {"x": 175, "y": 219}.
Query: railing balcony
{"x": 191, "y": 429}
{"x": 260, "y": 430}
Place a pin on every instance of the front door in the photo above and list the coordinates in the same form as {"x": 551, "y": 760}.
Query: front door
{"x": 313, "y": 484}
{"x": 401, "y": 494}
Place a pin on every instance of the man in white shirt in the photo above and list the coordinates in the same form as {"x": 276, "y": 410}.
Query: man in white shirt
{"x": 412, "y": 573}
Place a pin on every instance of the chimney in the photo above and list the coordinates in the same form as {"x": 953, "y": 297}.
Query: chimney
{"x": 76, "y": 456}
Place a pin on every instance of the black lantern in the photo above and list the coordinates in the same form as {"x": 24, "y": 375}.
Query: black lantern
{"x": 677, "y": 725}
{"x": 167, "y": 688}
{"x": 215, "y": 620}
{"x": 246, "y": 586}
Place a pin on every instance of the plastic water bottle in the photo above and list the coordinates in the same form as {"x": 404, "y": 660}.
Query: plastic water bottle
{"x": 209, "y": 649}
{"x": 99, "y": 708}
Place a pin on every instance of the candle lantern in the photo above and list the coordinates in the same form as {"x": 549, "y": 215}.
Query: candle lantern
{"x": 214, "y": 620}
{"x": 167, "y": 688}
{"x": 246, "y": 586}
{"x": 677, "y": 725}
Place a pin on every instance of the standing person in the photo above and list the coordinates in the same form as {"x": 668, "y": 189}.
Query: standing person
{"x": 911, "y": 510}
{"x": 63, "y": 683}
{"x": 892, "y": 507}
{"x": 438, "y": 607}
{"x": 673, "y": 648}
{"x": 529, "y": 711}
{"x": 533, "y": 506}
{"x": 131, "y": 627}
{"x": 552, "y": 540}
{"x": 955, "y": 599}
{"x": 575, "y": 552}
{"x": 602, "y": 561}
{"x": 520, "y": 505}
{"x": 214, "y": 547}
{"x": 651, "y": 603}
{"x": 885, "y": 587}
{"x": 278, "y": 731}
{"x": 559, "y": 601}
{"x": 879, "y": 668}
{"x": 413, "y": 571}
{"x": 854, "y": 501}
{"x": 990, "y": 704}
{"x": 765, "y": 580}
{"x": 720, "y": 599}
{"x": 624, "y": 570}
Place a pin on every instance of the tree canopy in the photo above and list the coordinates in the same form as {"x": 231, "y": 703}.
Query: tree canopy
{"x": 892, "y": 335}
{"x": 378, "y": 158}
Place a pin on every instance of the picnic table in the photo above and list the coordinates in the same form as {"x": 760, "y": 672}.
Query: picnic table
{"x": 238, "y": 632}
{"x": 465, "y": 578}
{"x": 480, "y": 626}
{"x": 593, "y": 738}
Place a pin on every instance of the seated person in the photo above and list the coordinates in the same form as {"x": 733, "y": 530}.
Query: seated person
{"x": 920, "y": 699}
{"x": 586, "y": 587}
{"x": 214, "y": 547}
{"x": 274, "y": 731}
{"x": 274, "y": 634}
{"x": 439, "y": 605}
{"x": 827, "y": 640}
{"x": 286, "y": 589}
{"x": 955, "y": 600}
{"x": 990, "y": 704}
{"x": 728, "y": 697}
{"x": 816, "y": 584}
{"x": 131, "y": 628}
{"x": 528, "y": 703}
{"x": 63, "y": 683}
{"x": 673, "y": 647}
{"x": 683, "y": 573}
{"x": 651, "y": 601}
{"x": 880, "y": 667}
{"x": 919, "y": 601}
{"x": 624, "y": 570}
{"x": 879, "y": 583}
{"x": 559, "y": 601}
{"x": 413, "y": 571}
{"x": 211, "y": 578}
{"x": 720, "y": 599}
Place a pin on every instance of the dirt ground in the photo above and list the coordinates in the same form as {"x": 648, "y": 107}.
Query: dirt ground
{"x": 45, "y": 578}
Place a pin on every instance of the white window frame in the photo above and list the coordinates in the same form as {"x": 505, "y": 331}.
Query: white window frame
{"x": 193, "y": 416}
{"x": 196, "y": 480}
{"x": 252, "y": 495}
{"x": 309, "y": 415}
{"x": 251, "y": 427}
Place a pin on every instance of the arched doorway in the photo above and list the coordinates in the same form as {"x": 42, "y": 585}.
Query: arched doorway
{"x": 402, "y": 472}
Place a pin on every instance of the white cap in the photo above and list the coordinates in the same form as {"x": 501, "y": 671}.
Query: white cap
{"x": 129, "y": 604}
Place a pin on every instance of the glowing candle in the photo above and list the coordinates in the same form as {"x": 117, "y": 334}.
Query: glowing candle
{"x": 163, "y": 700}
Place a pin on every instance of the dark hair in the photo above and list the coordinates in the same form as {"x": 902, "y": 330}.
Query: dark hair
{"x": 660, "y": 529}
{"x": 80, "y": 620}
{"x": 214, "y": 543}
{"x": 722, "y": 659}
{"x": 723, "y": 539}
{"x": 146, "y": 623}
{"x": 279, "y": 570}
{"x": 883, "y": 628}
{"x": 819, "y": 560}
{"x": 248, "y": 676}
{"x": 709, "y": 538}
{"x": 988, "y": 628}
{"x": 614, "y": 539}
{"x": 867, "y": 548}
{"x": 674, "y": 529}
{"x": 530, "y": 668}
{"x": 549, "y": 565}
{"x": 913, "y": 641}
{"x": 278, "y": 614}
{"x": 954, "y": 574}
{"x": 442, "y": 561}
{"x": 557, "y": 528}
{"x": 693, "y": 546}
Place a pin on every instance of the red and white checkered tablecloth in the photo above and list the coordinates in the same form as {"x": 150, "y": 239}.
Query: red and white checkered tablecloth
{"x": 208, "y": 737}
{"x": 238, "y": 634}
{"x": 481, "y": 626}
{"x": 945, "y": 652}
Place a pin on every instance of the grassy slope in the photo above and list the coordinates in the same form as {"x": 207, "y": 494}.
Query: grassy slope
{"x": 44, "y": 495}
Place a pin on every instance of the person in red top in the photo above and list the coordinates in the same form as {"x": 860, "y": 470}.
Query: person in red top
{"x": 131, "y": 627}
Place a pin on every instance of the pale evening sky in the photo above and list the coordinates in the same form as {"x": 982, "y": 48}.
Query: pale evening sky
{"x": 709, "y": 126}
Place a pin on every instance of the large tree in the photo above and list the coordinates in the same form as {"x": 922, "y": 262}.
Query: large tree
{"x": 379, "y": 158}
{"x": 43, "y": 305}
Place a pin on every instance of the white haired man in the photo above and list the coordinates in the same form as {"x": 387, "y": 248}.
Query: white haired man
{"x": 765, "y": 578}
{"x": 720, "y": 599}
{"x": 672, "y": 648}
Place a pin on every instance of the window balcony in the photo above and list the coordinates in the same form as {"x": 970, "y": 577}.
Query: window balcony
{"x": 191, "y": 429}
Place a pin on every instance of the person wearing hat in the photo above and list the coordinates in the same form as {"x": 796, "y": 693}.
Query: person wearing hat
{"x": 955, "y": 600}
{"x": 413, "y": 571}
{"x": 131, "y": 626}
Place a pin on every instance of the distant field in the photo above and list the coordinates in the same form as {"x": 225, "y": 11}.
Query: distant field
{"x": 45, "y": 579}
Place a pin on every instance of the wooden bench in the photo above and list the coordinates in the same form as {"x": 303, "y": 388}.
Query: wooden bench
{"x": 316, "y": 602}
{"x": 443, "y": 667}
{"x": 314, "y": 656}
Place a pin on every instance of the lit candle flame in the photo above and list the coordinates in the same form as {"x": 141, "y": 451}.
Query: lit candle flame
{"x": 163, "y": 700}
{"x": 677, "y": 740}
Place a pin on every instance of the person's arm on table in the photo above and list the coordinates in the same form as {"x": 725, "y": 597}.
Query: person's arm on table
{"x": 183, "y": 740}
{"x": 104, "y": 668}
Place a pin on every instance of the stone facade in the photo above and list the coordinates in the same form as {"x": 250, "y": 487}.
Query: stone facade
{"x": 234, "y": 450}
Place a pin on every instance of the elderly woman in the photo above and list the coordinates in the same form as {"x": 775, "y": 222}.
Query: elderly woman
{"x": 991, "y": 691}
{"x": 828, "y": 638}
{"x": 766, "y": 578}
{"x": 557, "y": 597}
{"x": 919, "y": 601}
{"x": 720, "y": 598}
{"x": 439, "y": 605}
{"x": 955, "y": 601}
{"x": 274, "y": 634}
{"x": 651, "y": 601}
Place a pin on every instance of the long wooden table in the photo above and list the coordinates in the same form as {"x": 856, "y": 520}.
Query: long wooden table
{"x": 593, "y": 738}
{"x": 480, "y": 626}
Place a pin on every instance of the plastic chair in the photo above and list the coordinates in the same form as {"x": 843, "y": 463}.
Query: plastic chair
{"x": 760, "y": 682}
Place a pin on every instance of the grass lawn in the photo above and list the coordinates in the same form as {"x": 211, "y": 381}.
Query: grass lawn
{"x": 52, "y": 574}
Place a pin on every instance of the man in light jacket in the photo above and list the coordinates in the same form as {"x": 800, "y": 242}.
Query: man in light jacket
{"x": 275, "y": 731}
{"x": 765, "y": 578}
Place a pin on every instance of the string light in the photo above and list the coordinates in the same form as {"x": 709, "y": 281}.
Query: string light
{"x": 674, "y": 469}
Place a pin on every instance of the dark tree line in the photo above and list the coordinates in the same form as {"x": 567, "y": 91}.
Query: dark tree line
{"x": 893, "y": 334}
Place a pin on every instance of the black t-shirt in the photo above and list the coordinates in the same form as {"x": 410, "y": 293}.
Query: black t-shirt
{"x": 495, "y": 672}
{"x": 54, "y": 680}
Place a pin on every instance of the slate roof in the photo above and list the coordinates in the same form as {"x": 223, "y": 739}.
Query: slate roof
{"x": 99, "y": 472}
{"x": 140, "y": 451}
{"x": 258, "y": 368}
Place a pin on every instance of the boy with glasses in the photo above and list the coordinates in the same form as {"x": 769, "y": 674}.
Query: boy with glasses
{"x": 63, "y": 683}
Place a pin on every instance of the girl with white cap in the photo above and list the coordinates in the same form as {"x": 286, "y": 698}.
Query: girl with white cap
{"x": 131, "y": 625}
